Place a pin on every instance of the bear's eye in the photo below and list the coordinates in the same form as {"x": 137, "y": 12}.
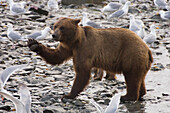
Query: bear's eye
{"x": 54, "y": 27}
{"x": 62, "y": 28}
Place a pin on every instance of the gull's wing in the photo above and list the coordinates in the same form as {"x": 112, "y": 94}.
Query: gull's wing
{"x": 118, "y": 13}
{"x": 17, "y": 9}
{"x": 98, "y": 107}
{"x": 9, "y": 71}
{"x": 134, "y": 27}
{"x": 25, "y": 97}
{"x": 150, "y": 38}
{"x": 115, "y": 5}
{"x": 93, "y": 24}
{"x": 167, "y": 14}
{"x": 18, "y": 104}
{"x": 160, "y": 2}
{"x": 34, "y": 35}
{"x": 113, "y": 105}
{"x": 14, "y": 36}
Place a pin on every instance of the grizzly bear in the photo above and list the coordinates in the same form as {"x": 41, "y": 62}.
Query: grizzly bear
{"x": 117, "y": 50}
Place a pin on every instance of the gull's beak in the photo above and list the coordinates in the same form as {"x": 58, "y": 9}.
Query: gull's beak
{"x": 5, "y": 26}
{"x": 14, "y": 109}
{"x": 157, "y": 13}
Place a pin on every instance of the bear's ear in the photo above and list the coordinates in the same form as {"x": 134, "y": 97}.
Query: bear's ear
{"x": 76, "y": 21}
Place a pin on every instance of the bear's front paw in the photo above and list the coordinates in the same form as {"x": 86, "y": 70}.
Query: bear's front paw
{"x": 33, "y": 45}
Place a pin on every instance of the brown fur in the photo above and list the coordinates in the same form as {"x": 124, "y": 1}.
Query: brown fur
{"x": 117, "y": 50}
{"x": 98, "y": 74}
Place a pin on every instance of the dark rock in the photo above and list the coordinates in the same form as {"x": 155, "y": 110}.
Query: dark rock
{"x": 5, "y": 107}
{"x": 34, "y": 17}
{"x": 164, "y": 94}
{"x": 157, "y": 67}
{"x": 79, "y": 2}
{"x": 158, "y": 53}
{"x": 38, "y": 10}
{"x": 48, "y": 111}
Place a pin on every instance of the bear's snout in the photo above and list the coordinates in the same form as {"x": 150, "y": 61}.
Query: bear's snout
{"x": 55, "y": 37}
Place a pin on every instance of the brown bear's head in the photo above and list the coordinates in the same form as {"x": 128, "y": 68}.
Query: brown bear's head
{"x": 65, "y": 30}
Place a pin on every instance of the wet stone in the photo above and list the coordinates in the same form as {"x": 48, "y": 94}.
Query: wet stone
{"x": 5, "y": 107}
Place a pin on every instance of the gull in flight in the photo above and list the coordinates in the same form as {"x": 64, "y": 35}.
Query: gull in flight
{"x": 24, "y": 104}
{"x": 39, "y": 35}
{"x": 4, "y": 76}
{"x": 111, "y": 108}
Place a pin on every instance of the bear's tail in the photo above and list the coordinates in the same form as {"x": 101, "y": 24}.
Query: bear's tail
{"x": 150, "y": 56}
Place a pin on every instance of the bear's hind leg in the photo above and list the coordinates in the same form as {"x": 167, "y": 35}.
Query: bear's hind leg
{"x": 133, "y": 84}
{"x": 142, "y": 89}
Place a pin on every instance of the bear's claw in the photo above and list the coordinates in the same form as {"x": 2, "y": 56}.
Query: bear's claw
{"x": 33, "y": 45}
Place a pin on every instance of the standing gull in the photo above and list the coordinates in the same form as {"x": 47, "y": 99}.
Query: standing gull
{"x": 39, "y": 35}
{"x": 165, "y": 15}
{"x": 141, "y": 33}
{"x": 52, "y": 5}
{"x": 150, "y": 38}
{"x": 133, "y": 25}
{"x": 161, "y": 4}
{"x": 12, "y": 35}
{"x": 120, "y": 12}
{"x": 17, "y": 8}
{"x": 110, "y": 7}
{"x": 88, "y": 22}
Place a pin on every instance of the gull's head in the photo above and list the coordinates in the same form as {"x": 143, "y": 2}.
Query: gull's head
{"x": 23, "y": 3}
{"x": 128, "y": 3}
{"x": 161, "y": 12}
{"x": 47, "y": 29}
{"x": 152, "y": 26}
{"x": 84, "y": 14}
{"x": 9, "y": 25}
{"x": 131, "y": 17}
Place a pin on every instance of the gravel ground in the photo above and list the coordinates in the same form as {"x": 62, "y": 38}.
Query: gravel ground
{"x": 48, "y": 83}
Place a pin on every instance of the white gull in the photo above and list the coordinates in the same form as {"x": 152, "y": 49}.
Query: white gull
{"x": 88, "y": 22}
{"x": 120, "y": 12}
{"x": 12, "y": 35}
{"x": 39, "y": 35}
{"x": 165, "y": 15}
